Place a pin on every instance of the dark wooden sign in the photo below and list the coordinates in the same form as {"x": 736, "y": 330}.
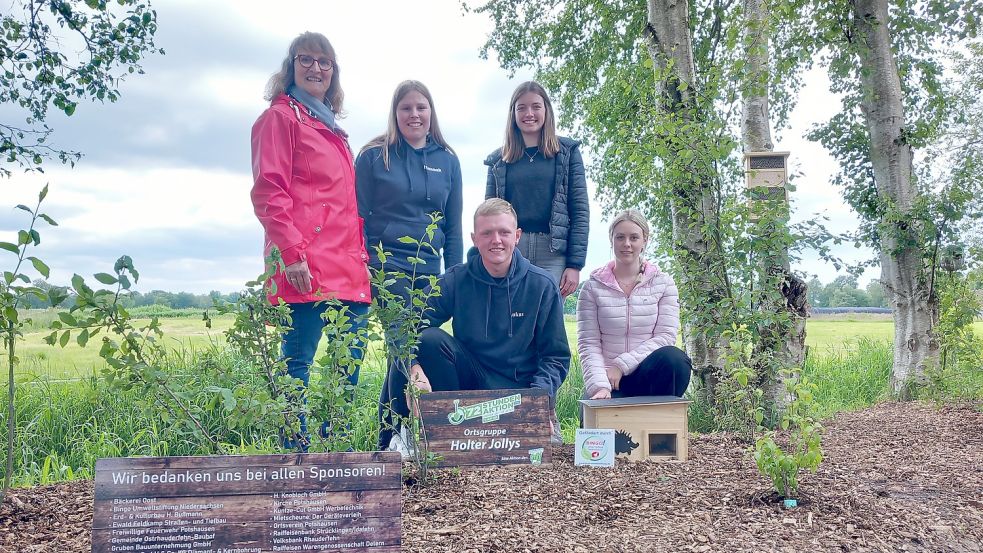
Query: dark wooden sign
{"x": 229, "y": 504}
{"x": 488, "y": 427}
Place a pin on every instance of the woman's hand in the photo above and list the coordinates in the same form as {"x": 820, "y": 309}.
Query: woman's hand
{"x": 569, "y": 281}
{"x": 299, "y": 276}
{"x": 603, "y": 393}
{"x": 614, "y": 377}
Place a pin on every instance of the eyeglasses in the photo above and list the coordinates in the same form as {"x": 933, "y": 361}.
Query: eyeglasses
{"x": 324, "y": 64}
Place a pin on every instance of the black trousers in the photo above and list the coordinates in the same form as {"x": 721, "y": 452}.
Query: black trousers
{"x": 665, "y": 372}
{"x": 448, "y": 367}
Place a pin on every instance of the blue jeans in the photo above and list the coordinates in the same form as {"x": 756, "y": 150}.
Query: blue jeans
{"x": 535, "y": 247}
{"x": 300, "y": 344}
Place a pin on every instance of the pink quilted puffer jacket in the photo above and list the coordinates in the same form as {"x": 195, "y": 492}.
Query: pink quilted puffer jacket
{"x": 618, "y": 330}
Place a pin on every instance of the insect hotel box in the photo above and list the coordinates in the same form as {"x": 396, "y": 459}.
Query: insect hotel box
{"x": 650, "y": 428}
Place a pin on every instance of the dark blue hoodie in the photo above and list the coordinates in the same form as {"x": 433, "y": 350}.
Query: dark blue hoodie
{"x": 513, "y": 326}
{"x": 397, "y": 202}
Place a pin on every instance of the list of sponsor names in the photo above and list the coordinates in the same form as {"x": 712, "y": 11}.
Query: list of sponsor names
{"x": 310, "y": 521}
{"x": 248, "y": 508}
{"x": 297, "y": 521}
{"x": 146, "y": 525}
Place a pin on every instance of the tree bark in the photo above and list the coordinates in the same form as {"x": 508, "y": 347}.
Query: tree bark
{"x": 780, "y": 295}
{"x": 905, "y": 272}
{"x": 694, "y": 208}
{"x": 755, "y": 120}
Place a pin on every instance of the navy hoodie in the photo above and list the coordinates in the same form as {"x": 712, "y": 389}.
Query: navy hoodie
{"x": 397, "y": 202}
{"x": 513, "y": 326}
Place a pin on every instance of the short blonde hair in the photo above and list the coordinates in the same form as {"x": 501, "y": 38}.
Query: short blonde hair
{"x": 495, "y": 206}
{"x": 632, "y": 216}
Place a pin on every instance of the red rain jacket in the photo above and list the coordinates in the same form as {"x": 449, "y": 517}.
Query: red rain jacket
{"x": 304, "y": 196}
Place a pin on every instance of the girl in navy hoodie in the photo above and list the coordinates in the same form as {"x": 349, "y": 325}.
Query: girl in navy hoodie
{"x": 401, "y": 177}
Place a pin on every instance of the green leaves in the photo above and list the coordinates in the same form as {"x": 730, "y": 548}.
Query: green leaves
{"x": 46, "y": 71}
{"x": 40, "y": 266}
{"x": 106, "y": 278}
{"x": 804, "y": 451}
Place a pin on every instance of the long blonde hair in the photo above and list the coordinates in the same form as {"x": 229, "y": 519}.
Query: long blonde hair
{"x": 282, "y": 79}
{"x": 549, "y": 143}
{"x": 392, "y": 134}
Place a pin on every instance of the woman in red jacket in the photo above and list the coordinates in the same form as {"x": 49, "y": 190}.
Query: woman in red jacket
{"x": 304, "y": 196}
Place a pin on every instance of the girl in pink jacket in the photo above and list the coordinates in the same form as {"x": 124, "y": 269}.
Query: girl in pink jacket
{"x": 627, "y": 321}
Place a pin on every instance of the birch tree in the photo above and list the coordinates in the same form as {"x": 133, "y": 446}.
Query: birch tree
{"x": 626, "y": 77}
{"x": 885, "y": 60}
{"x": 779, "y": 294}
{"x": 693, "y": 192}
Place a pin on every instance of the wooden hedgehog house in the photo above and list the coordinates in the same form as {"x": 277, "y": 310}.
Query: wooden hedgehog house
{"x": 652, "y": 428}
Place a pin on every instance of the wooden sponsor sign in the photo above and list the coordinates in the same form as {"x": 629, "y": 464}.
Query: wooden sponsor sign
{"x": 250, "y": 504}
{"x": 488, "y": 427}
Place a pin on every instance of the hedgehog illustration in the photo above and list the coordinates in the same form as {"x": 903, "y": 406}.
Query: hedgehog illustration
{"x": 623, "y": 443}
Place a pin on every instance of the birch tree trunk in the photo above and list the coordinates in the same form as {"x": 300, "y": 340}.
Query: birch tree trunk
{"x": 781, "y": 296}
{"x": 906, "y": 275}
{"x": 694, "y": 208}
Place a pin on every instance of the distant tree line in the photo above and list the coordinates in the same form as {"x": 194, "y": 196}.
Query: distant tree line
{"x": 174, "y": 300}
{"x": 844, "y": 292}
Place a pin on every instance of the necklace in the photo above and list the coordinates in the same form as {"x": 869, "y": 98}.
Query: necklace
{"x": 630, "y": 282}
{"x": 627, "y": 284}
{"x": 533, "y": 156}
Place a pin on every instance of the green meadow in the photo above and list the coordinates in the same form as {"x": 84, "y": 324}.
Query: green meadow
{"x": 67, "y": 417}
{"x": 185, "y": 330}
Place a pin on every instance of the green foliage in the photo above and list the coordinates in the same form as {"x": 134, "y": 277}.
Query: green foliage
{"x": 15, "y": 290}
{"x": 960, "y": 371}
{"x": 133, "y": 354}
{"x": 76, "y": 422}
{"x": 803, "y": 451}
{"x": 214, "y": 406}
{"x": 843, "y": 292}
{"x": 664, "y": 137}
{"x": 56, "y": 53}
{"x": 264, "y": 394}
{"x": 938, "y": 117}
{"x": 857, "y": 376}
{"x": 739, "y": 402}
{"x": 402, "y": 323}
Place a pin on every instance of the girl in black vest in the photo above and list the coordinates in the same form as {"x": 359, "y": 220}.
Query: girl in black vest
{"x": 542, "y": 176}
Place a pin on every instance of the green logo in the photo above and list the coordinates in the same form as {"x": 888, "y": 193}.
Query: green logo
{"x": 593, "y": 449}
{"x": 489, "y": 411}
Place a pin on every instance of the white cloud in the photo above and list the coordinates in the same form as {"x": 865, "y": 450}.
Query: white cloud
{"x": 166, "y": 176}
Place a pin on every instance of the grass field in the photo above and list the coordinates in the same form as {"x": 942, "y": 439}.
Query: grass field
{"x": 825, "y": 335}
{"x": 66, "y": 419}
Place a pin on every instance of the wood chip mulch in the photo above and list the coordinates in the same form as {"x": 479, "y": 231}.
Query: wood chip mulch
{"x": 896, "y": 477}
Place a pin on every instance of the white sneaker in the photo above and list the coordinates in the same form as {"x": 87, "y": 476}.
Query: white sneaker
{"x": 400, "y": 442}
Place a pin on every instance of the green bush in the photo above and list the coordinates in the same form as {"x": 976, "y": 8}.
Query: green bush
{"x": 782, "y": 462}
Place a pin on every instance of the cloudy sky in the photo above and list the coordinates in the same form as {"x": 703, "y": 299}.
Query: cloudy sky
{"x": 166, "y": 173}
